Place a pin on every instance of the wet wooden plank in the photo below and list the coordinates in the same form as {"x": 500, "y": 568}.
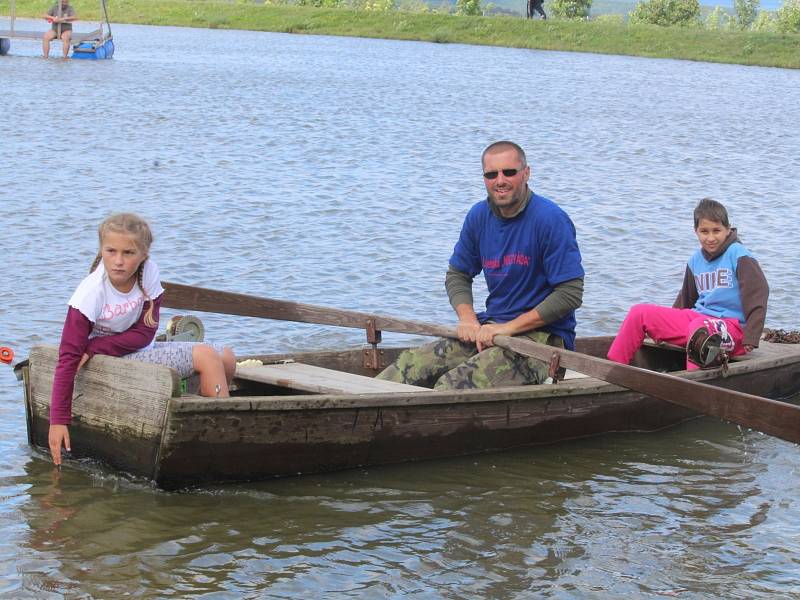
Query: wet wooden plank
{"x": 310, "y": 378}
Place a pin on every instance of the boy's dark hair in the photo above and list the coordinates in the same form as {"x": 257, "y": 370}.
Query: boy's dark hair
{"x": 710, "y": 210}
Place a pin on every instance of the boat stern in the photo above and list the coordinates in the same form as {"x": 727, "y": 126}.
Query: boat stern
{"x": 118, "y": 409}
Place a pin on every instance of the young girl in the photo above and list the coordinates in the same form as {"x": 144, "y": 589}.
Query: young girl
{"x": 115, "y": 311}
{"x": 723, "y": 298}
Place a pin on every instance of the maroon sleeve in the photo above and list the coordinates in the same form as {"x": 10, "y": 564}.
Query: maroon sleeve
{"x": 136, "y": 337}
{"x": 688, "y": 294}
{"x": 755, "y": 293}
{"x": 74, "y": 339}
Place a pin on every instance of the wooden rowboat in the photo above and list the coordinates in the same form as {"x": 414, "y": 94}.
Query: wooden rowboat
{"x": 316, "y": 412}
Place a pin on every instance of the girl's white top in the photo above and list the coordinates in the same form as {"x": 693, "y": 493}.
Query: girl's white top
{"x": 110, "y": 310}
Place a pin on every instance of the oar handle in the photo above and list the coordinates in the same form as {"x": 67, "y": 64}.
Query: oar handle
{"x": 187, "y": 297}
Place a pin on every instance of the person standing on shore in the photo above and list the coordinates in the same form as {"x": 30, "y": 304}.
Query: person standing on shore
{"x": 60, "y": 15}
{"x": 538, "y": 6}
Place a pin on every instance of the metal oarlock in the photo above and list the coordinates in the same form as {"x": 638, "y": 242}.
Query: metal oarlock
{"x": 554, "y": 368}
{"x": 6, "y": 355}
{"x": 373, "y": 355}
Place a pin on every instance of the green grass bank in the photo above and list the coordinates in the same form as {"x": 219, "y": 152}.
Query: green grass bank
{"x": 746, "y": 48}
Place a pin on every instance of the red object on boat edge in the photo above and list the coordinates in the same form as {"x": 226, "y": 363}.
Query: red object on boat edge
{"x": 6, "y": 355}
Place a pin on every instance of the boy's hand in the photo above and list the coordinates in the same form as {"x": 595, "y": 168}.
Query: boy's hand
{"x": 58, "y": 436}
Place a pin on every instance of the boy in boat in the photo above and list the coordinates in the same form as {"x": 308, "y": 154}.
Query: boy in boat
{"x": 721, "y": 308}
{"x": 526, "y": 247}
{"x": 61, "y": 18}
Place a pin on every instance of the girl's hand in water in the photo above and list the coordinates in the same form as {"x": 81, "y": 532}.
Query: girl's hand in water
{"x": 57, "y": 437}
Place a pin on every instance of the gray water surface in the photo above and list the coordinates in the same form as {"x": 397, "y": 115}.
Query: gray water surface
{"x": 337, "y": 171}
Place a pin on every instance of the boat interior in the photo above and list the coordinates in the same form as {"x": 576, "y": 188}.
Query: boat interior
{"x": 349, "y": 372}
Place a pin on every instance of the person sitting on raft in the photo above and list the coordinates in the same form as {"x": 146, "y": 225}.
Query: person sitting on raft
{"x": 61, "y": 18}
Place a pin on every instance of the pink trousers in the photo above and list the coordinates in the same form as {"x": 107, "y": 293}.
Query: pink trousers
{"x": 672, "y": 325}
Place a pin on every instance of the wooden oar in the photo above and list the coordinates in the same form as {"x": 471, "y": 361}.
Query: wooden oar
{"x": 773, "y": 417}
{"x": 188, "y": 297}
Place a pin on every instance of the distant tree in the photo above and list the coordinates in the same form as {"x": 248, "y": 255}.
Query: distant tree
{"x": 379, "y": 5}
{"x": 570, "y": 9}
{"x": 444, "y": 8}
{"x": 787, "y": 17}
{"x": 667, "y": 12}
{"x": 746, "y": 12}
{"x": 319, "y": 3}
{"x": 413, "y": 6}
{"x": 718, "y": 20}
{"x": 470, "y": 8}
{"x": 765, "y": 21}
{"x": 372, "y": 5}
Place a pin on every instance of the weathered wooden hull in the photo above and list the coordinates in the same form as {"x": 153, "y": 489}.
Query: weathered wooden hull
{"x": 132, "y": 416}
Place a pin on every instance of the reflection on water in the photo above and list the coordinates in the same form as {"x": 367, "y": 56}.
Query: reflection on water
{"x": 621, "y": 514}
{"x": 337, "y": 171}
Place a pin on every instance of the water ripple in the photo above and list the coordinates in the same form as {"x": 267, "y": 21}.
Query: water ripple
{"x": 337, "y": 171}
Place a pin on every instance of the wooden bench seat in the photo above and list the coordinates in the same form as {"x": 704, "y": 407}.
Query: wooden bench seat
{"x": 308, "y": 378}
{"x": 574, "y": 375}
{"x": 77, "y": 37}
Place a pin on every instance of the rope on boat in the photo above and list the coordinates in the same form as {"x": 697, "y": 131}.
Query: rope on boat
{"x": 782, "y": 336}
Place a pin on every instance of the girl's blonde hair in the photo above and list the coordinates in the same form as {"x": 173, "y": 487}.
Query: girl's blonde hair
{"x": 136, "y": 227}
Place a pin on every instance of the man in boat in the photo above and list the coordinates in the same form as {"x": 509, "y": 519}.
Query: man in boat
{"x": 526, "y": 247}
{"x": 60, "y": 15}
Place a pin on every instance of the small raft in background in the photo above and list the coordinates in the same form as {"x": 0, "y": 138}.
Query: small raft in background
{"x": 94, "y": 45}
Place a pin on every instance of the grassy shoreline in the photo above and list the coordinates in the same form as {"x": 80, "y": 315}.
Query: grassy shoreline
{"x": 745, "y": 48}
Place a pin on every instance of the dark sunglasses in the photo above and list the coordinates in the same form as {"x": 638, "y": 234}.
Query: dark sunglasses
{"x": 506, "y": 173}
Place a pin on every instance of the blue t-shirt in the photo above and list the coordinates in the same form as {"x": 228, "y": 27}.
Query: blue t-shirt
{"x": 522, "y": 259}
{"x": 717, "y": 283}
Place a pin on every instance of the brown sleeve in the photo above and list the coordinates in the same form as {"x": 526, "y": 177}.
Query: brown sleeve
{"x": 754, "y": 292}
{"x": 688, "y": 294}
